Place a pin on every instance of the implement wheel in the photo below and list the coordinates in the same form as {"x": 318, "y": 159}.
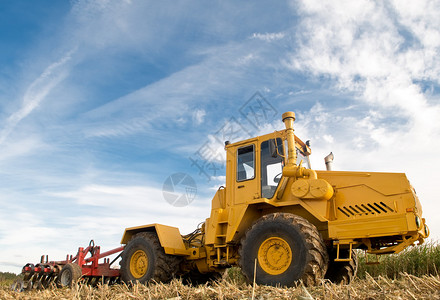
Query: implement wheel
{"x": 342, "y": 271}
{"x": 18, "y": 285}
{"x": 144, "y": 259}
{"x": 69, "y": 275}
{"x": 287, "y": 248}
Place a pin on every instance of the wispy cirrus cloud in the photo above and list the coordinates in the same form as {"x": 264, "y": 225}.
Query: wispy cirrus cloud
{"x": 37, "y": 92}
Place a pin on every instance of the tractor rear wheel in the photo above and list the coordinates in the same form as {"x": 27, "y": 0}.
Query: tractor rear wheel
{"x": 286, "y": 247}
{"x": 69, "y": 275}
{"x": 144, "y": 259}
{"x": 342, "y": 271}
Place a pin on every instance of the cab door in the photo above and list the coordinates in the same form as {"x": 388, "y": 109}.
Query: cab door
{"x": 247, "y": 183}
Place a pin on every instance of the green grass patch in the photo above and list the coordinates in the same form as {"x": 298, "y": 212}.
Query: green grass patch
{"x": 6, "y": 278}
{"x": 419, "y": 260}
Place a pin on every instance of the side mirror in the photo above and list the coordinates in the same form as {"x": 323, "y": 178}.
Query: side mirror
{"x": 273, "y": 148}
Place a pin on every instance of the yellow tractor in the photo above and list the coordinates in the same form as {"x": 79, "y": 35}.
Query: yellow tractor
{"x": 283, "y": 221}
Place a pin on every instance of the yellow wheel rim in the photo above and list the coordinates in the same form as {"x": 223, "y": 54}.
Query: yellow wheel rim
{"x": 138, "y": 264}
{"x": 274, "y": 255}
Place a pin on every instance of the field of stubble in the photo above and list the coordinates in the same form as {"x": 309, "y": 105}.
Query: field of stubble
{"x": 406, "y": 287}
{"x": 413, "y": 274}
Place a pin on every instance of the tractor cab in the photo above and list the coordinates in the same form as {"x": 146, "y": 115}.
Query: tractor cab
{"x": 254, "y": 167}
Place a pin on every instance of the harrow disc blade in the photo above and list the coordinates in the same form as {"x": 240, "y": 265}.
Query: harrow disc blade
{"x": 17, "y": 286}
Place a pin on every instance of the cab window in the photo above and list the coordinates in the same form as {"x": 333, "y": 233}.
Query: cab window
{"x": 245, "y": 163}
{"x": 302, "y": 157}
{"x": 271, "y": 166}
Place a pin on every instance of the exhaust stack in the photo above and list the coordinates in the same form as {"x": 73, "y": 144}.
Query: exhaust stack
{"x": 292, "y": 169}
{"x": 329, "y": 161}
{"x": 288, "y": 119}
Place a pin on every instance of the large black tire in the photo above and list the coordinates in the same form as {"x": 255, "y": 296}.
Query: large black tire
{"x": 144, "y": 259}
{"x": 69, "y": 275}
{"x": 288, "y": 248}
{"x": 343, "y": 271}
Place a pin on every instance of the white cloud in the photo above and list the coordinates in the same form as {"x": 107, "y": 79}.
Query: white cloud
{"x": 199, "y": 116}
{"x": 268, "y": 37}
{"x": 328, "y": 138}
{"x": 420, "y": 18}
{"x": 219, "y": 178}
{"x": 112, "y": 208}
{"x": 379, "y": 54}
{"x": 362, "y": 47}
{"x": 17, "y": 147}
{"x": 126, "y": 200}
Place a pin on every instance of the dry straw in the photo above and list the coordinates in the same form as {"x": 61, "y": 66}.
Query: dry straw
{"x": 406, "y": 287}
{"x": 410, "y": 275}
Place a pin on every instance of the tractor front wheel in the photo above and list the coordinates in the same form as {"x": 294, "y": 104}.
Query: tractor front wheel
{"x": 283, "y": 248}
{"x": 144, "y": 259}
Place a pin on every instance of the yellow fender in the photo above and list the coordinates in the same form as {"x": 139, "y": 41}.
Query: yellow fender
{"x": 169, "y": 237}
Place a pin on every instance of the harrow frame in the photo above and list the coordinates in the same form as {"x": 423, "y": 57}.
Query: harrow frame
{"x": 46, "y": 272}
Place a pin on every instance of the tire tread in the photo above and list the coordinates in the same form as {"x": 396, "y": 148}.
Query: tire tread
{"x": 166, "y": 266}
{"x": 317, "y": 256}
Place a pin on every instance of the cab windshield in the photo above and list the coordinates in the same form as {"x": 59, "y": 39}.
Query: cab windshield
{"x": 272, "y": 163}
{"x": 300, "y": 156}
{"x": 304, "y": 158}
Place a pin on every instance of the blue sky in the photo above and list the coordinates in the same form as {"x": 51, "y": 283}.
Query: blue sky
{"x": 101, "y": 101}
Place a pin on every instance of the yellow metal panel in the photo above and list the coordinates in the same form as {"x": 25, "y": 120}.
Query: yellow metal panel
{"x": 169, "y": 237}
{"x": 219, "y": 200}
{"x": 129, "y": 232}
{"x": 384, "y": 183}
{"x": 211, "y": 226}
{"x": 236, "y": 219}
{"x": 411, "y": 221}
{"x": 366, "y": 228}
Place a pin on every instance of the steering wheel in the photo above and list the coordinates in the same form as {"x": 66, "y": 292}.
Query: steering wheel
{"x": 277, "y": 179}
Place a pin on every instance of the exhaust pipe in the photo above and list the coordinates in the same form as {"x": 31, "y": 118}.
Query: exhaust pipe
{"x": 288, "y": 119}
{"x": 329, "y": 161}
{"x": 291, "y": 169}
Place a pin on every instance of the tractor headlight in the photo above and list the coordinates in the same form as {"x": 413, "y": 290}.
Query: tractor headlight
{"x": 426, "y": 231}
{"x": 418, "y": 222}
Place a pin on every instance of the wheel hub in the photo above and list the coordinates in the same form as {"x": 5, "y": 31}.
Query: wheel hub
{"x": 138, "y": 264}
{"x": 66, "y": 278}
{"x": 274, "y": 255}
